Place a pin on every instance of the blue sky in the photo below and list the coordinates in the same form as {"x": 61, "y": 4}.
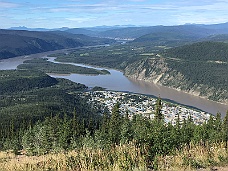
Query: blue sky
{"x": 89, "y": 13}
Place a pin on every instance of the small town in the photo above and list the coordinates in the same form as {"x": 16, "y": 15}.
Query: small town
{"x": 145, "y": 105}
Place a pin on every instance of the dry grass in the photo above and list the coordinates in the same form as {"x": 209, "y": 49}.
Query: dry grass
{"x": 125, "y": 157}
{"x": 119, "y": 158}
{"x": 196, "y": 157}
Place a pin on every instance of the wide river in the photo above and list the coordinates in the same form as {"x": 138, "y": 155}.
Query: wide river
{"x": 118, "y": 82}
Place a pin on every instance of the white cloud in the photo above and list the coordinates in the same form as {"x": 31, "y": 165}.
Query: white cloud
{"x": 8, "y": 5}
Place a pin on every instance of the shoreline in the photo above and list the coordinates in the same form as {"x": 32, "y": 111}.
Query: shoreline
{"x": 192, "y": 94}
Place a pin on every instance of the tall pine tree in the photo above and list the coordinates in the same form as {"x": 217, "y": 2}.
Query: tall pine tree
{"x": 225, "y": 129}
{"x": 158, "y": 107}
{"x": 115, "y": 124}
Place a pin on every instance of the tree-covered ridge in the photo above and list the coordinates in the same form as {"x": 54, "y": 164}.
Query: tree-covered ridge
{"x": 192, "y": 31}
{"x": 21, "y": 80}
{"x": 43, "y": 65}
{"x": 201, "y": 78}
{"x": 203, "y": 64}
{"x": 28, "y": 96}
{"x": 217, "y": 38}
{"x": 118, "y": 56}
{"x": 202, "y": 51}
{"x": 166, "y": 38}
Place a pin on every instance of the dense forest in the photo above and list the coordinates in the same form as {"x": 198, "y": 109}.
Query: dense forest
{"x": 118, "y": 56}
{"x": 50, "y": 118}
{"x": 202, "y": 51}
{"x": 204, "y": 63}
{"x": 27, "y": 97}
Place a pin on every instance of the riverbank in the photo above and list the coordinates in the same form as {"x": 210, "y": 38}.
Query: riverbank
{"x": 192, "y": 93}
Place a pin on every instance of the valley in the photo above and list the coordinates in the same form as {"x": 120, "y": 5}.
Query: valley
{"x": 118, "y": 82}
{"x": 127, "y": 98}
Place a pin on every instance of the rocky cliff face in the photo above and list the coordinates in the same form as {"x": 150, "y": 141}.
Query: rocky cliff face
{"x": 158, "y": 71}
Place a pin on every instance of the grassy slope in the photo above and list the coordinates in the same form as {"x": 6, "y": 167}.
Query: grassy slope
{"x": 122, "y": 157}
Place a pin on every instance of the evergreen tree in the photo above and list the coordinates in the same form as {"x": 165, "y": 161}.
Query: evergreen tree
{"x": 64, "y": 133}
{"x": 218, "y": 128}
{"x": 91, "y": 127}
{"x": 105, "y": 122}
{"x": 158, "y": 107}
{"x": 102, "y": 135}
{"x": 115, "y": 124}
{"x": 225, "y": 129}
{"x": 187, "y": 131}
{"x": 75, "y": 126}
{"x": 126, "y": 131}
{"x": 177, "y": 129}
{"x": 214, "y": 128}
{"x": 178, "y": 125}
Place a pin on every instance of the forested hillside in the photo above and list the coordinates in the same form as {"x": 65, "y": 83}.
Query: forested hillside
{"x": 180, "y": 36}
{"x": 16, "y": 81}
{"x": 202, "y": 51}
{"x": 217, "y": 38}
{"x": 29, "y": 96}
{"x": 200, "y": 69}
{"x": 44, "y": 117}
{"x": 18, "y": 42}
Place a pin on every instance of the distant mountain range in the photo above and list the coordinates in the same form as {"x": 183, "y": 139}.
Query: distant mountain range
{"x": 22, "y": 40}
{"x": 192, "y": 31}
{"x": 133, "y": 32}
{"x": 184, "y": 34}
{"x": 37, "y": 29}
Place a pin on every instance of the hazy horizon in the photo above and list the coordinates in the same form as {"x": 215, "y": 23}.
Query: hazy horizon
{"x": 108, "y": 26}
